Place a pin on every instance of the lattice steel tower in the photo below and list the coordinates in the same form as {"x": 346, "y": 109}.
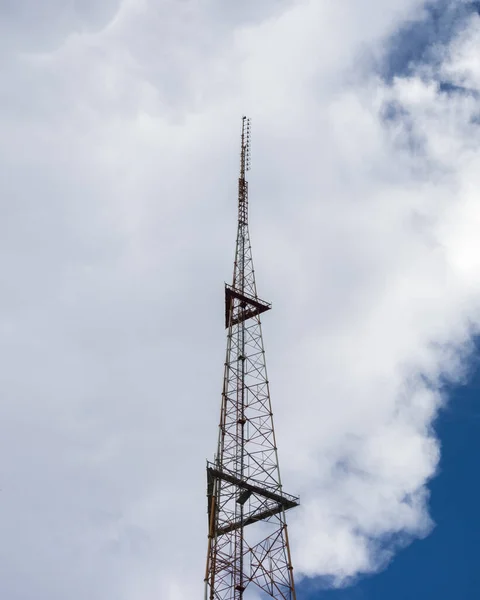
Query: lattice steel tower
{"x": 248, "y": 549}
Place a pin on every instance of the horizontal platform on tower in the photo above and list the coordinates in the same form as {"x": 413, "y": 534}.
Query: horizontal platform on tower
{"x": 246, "y": 488}
{"x": 250, "y": 306}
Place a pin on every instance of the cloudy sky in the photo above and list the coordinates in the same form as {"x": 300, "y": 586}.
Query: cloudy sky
{"x": 120, "y": 124}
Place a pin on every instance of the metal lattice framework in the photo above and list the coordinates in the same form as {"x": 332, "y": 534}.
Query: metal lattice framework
{"x": 248, "y": 542}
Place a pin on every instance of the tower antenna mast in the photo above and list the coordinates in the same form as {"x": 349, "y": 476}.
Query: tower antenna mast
{"x": 248, "y": 547}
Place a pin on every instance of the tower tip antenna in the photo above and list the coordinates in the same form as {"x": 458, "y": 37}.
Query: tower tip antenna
{"x": 246, "y": 143}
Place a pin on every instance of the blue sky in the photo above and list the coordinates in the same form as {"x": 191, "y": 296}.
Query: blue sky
{"x": 418, "y": 42}
{"x": 444, "y": 564}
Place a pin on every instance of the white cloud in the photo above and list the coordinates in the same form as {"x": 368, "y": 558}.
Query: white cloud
{"x": 119, "y": 159}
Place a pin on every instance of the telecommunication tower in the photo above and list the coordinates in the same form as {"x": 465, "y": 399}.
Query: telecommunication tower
{"x": 248, "y": 548}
